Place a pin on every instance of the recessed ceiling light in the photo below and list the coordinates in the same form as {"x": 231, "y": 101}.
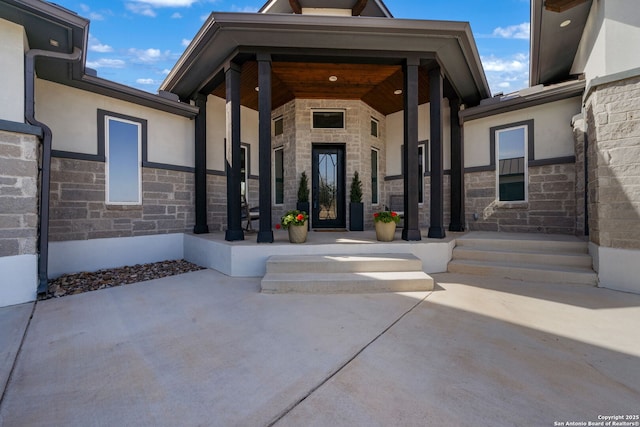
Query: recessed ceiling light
{"x": 54, "y": 43}
{"x": 397, "y": 92}
{"x": 257, "y": 89}
{"x": 565, "y": 23}
{"x": 333, "y": 78}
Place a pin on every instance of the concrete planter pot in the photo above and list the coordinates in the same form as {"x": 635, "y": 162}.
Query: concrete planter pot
{"x": 385, "y": 231}
{"x": 298, "y": 233}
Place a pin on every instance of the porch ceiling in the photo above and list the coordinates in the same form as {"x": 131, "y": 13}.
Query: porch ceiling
{"x": 374, "y": 84}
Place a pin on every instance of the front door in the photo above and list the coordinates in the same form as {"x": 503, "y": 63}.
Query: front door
{"x": 328, "y": 204}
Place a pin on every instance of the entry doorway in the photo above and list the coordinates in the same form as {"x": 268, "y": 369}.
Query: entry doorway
{"x": 328, "y": 186}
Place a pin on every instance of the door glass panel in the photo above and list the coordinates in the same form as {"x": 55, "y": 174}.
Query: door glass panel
{"x": 327, "y": 174}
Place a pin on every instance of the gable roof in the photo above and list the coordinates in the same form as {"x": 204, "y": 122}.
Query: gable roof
{"x": 375, "y": 8}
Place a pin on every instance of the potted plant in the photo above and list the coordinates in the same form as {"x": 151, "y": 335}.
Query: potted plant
{"x": 356, "y": 208}
{"x": 295, "y": 222}
{"x": 303, "y": 194}
{"x": 385, "y": 223}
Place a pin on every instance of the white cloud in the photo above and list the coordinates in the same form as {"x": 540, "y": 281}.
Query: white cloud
{"x": 165, "y": 72}
{"x": 140, "y": 9}
{"x": 520, "y": 31}
{"x": 95, "y": 16}
{"x": 145, "y": 81}
{"x": 148, "y": 56}
{"x": 246, "y": 9}
{"x": 96, "y": 46}
{"x": 185, "y": 42}
{"x": 507, "y": 74}
{"x": 176, "y": 15}
{"x": 84, "y": 7}
{"x": 106, "y": 63}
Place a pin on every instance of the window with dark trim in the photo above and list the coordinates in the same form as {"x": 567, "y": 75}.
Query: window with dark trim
{"x": 375, "y": 191}
{"x": 122, "y": 137}
{"x": 374, "y": 127}
{"x": 244, "y": 168}
{"x": 328, "y": 119}
{"x": 422, "y": 168}
{"x": 512, "y": 151}
{"x": 278, "y": 174}
{"x": 278, "y": 126}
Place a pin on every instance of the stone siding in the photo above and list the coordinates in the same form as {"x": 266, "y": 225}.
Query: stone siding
{"x": 613, "y": 117}
{"x": 78, "y": 210}
{"x": 579, "y": 131}
{"x": 551, "y": 207}
{"x": 18, "y": 194}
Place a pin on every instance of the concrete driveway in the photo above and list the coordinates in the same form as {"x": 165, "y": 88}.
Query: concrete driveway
{"x": 203, "y": 349}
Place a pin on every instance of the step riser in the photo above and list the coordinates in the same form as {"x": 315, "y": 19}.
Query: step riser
{"x": 577, "y": 260}
{"x": 354, "y": 286}
{"x": 522, "y": 245}
{"x": 531, "y": 274}
{"x": 322, "y": 267}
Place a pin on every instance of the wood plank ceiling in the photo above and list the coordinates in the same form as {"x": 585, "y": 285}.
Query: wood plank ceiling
{"x": 562, "y": 5}
{"x": 373, "y": 84}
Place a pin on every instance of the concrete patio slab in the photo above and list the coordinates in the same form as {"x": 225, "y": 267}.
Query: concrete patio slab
{"x": 13, "y": 323}
{"x": 490, "y": 352}
{"x": 195, "y": 349}
{"x": 206, "y": 349}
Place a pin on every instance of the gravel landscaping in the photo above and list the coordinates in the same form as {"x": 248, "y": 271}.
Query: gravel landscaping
{"x": 72, "y": 284}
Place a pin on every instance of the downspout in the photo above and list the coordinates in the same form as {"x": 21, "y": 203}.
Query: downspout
{"x": 45, "y": 168}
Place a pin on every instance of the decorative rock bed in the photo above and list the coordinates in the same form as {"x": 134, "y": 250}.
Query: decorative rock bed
{"x": 72, "y": 284}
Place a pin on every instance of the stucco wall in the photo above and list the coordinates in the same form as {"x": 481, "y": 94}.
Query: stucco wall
{"x": 12, "y": 51}
{"x": 72, "y": 116}
{"x": 395, "y": 136}
{"x": 553, "y": 134}
{"x": 612, "y": 29}
{"x": 216, "y": 134}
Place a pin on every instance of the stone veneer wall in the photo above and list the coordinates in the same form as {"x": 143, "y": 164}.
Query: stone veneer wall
{"x": 396, "y": 186}
{"x": 78, "y": 210}
{"x": 551, "y": 207}
{"x": 18, "y": 194}
{"x": 579, "y": 133}
{"x": 613, "y": 117}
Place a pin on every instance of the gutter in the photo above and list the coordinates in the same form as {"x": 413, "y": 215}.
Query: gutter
{"x": 45, "y": 168}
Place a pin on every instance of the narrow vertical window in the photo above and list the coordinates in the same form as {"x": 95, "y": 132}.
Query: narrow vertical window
{"x": 278, "y": 173}
{"x": 374, "y": 127}
{"x": 422, "y": 149}
{"x": 244, "y": 170}
{"x": 511, "y": 152}
{"x": 123, "y": 159}
{"x": 375, "y": 192}
{"x": 278, "y": 126}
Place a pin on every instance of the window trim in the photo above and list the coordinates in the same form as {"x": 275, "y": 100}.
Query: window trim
{"x": 377, "y": 122}
{"x": 527, "y": 158}
{"x": 276, "y": 119}
{"x": 330, "y": 110}
{"x": 275, "y": 202}
{"x": 377, "y": 151}
{"x": 103, "y": 141}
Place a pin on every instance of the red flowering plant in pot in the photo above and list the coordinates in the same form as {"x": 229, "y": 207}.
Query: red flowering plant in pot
{"x": 296, "y": 222}
{"x": 385, "y": 223}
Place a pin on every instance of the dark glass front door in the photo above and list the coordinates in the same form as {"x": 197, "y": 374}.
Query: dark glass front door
{"x": 328, "y": 205}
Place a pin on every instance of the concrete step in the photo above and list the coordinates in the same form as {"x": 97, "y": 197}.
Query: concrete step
{"x": 521, "y": 271}
{"x": 345, "y": 274}
{"x": 343, "y": 263}
{"x": 523, "y": 243}
{"x": 569, "y": 259}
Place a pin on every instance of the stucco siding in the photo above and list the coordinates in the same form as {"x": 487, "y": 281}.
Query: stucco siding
{"x": 72, "y": 116}
{"x": 12, "y": 82}
{"x": 553, "y": 134}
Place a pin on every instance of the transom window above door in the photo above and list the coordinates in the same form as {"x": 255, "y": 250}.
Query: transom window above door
{"x": 325, "y": 119}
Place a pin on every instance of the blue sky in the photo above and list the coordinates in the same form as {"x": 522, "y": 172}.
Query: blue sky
{"x": 137, "y": 42}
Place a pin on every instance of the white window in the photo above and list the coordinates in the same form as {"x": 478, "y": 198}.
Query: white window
{"x": 375, "y": 189}
{"x": 374, "y": 127}
{"x": 328, "y": 119}
{"x": 278, "y": 175}
{"x": 123, "y": 141}
{"x": 511, "y": 161}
